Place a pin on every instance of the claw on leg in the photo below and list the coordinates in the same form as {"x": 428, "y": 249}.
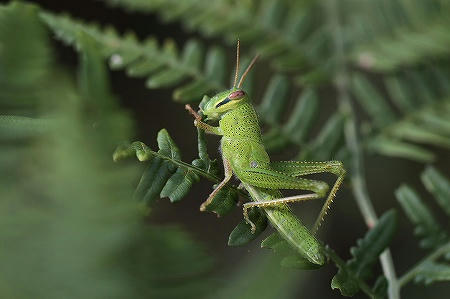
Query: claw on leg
{"x": 247, "y": 219}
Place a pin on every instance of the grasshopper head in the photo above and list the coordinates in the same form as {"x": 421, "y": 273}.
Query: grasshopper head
{"x": 228, "y": 100}
{"x": 224, "y": 102}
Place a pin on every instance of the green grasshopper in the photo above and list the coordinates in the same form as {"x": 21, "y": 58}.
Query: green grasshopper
{"x": 243, "y": 154}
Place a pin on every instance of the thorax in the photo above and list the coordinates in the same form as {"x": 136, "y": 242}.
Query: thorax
{"x": 241, "y": 123}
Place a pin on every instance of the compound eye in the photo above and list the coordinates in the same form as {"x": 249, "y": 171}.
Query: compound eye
{"x": 223, "y": 102}
{"x": 236, "y": 95}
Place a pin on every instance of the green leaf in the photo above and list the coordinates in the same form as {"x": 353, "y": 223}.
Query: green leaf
{"x": 277, "y": 30}
{"x": 153, "y": 180}
{"x": 242, "y": 233}
{"x": 427, "y": 228}
{"x": 439, "y": 186}
{"x": 167, "y": 146}
{"x": 21, "y": 126}
{"x": 380, "y": 287}
{"x": 166, "y": 175}
{"x": 430, "y": 272}
{"x": 79, "y": 224}
{"x": 162, "y": 66}
{"x": 345, "y": 283}
{"x": 365, "y": 255}
{"x": 372, "y": 101}
{"x": 372, "y": 245}
{"x": 179, "y": 184}
{"x": 400, "y": 93}
{"x": 297, "y": 127}
{"x": 224, "y": 201}
{"x": 324, "y": 146}
{"x": 408, "y": 45}
{"x": 302, "y": 117}
{"x": 274, "y": 99}
{"x": 25, "y": 59}
{"x": 395, "y": 148}
{"x": 419, "y": 133}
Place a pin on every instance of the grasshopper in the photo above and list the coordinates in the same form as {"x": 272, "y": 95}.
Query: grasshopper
{"x": 243, "y": 154}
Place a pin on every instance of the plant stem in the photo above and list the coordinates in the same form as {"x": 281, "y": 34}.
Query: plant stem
{"x": 431, "y": 257}
{"x": 351, "y": 136}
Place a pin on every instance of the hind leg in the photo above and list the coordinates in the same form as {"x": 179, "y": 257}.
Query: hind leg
{"x": 283, "y": 175}
{"x": 298, "y": 168}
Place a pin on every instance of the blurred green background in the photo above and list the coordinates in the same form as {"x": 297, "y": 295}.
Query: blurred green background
{"x": 69, "y": 226}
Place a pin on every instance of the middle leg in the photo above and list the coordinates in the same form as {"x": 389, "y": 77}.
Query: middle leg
{"x": 228, "y": 174}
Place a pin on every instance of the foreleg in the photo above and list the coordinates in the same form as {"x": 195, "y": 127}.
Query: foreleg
{"x": 202, "y": 125}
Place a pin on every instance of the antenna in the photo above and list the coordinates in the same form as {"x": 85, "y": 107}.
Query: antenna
{"x": 237, "y": 64}
{"x": 247, "y": 70}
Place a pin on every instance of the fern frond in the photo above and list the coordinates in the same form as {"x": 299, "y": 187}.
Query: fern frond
{"x": 66, "y": 186}
{"x": 431, "y": 272}
{"x": 438, "y": 185}
{"x": 167, "y": 176}
{"x": 286, "y": 32}
{"x": 427, "y": 228}
{"x": 390, "y": 35}
{"x": 162, "y": 65}
{"x": 365, "y": 255}
{"x": 166, "y": 68}
{"x": 434, "y": 237}
{"x": 15, "y": 126}
{"x": 297, "y": 126}
{"x": 25, "y": 60}
{"x": 295, "y": 130}
{"x": 424, "y": 115}
{"x": 419, "y": 37}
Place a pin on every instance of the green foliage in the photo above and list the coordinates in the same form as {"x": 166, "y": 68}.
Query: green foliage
{"x": 430, "y": 272}
{"x": 286, "y": 32}
{"x": 242, "y": 233}
{"x": 165, "y": 67}
{"x": 22, "y": 71}
{"x": 419, "y": 35}
{"x": 365, "y": 255}
{"x": 427, "y": 226}
{"x": 167, "y": 176}
{"x": 434, "y": 236}
{"x": 439, "y": 186}
{"x": 388, "y": 57}
{"x": 424, "y": 113}
{"x": 67, "y": 228}
{"x": 261, "y": 277}
{"x": 162, "y": 65}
